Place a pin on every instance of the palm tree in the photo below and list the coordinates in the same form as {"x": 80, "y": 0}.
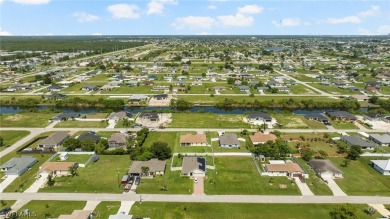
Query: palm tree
{"x": 126, "y": 123}
{"x": 144, "y": 170}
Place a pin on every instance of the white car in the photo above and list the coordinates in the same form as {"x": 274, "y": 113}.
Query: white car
{"x": 196, "y": 179}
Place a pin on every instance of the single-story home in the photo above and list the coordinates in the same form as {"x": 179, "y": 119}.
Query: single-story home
{"x": 325, "y": 169}
{"x": 66, "y": 116}
{"x": 149, "y": 116}
{"x": 261, "y": 138}
{"x": 342, "y": 115}
{"x": 156, "y": 167}
{"x": 229, "y": 141}
{"x": 137, "y": 98}
{"x": 382, "y": 140}
{"x": 374, "y": 116}
{"x": 244, "y": 88}
{"x": 18, "y": 165}
{"x": 382, "y": 166}
{"x": 160, "y": 97}
{"x": 317, "y": 117}
{"x": 54, "y": 140}
{"x": 54, "y": 88}
{"x": 289, "y": 169}
{"x": 259, "y": 118}
{"x": 89, "y": 135}
{"x": 356, "y": 140}
{"x": 57, "y": 168}
{"x": 89, "y": 88}
{"x": 116, "y": 116}
{"x": 194, "y": 166}
{"x": 56, "y": 96}
{"x": 193, "y": 140}
{"x": 117, "y": 140}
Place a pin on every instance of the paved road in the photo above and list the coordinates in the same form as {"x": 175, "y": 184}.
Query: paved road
{"x": 197, "y": 198}
{"x": 33, "y": 133}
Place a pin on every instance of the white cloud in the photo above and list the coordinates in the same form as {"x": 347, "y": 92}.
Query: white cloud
{"x": 124, "y": 11}
{"x": 96, "y": 34}
{"x": 383, "y": 29}
{"x": 250, "y": 9}
{"x": 4, "y": 33}
{"x": 289, "y": 22}
{"x": 211, "y": 7}
{"x": 157, "y": 6}
{"x": 363, "y": 31}
{"x": 194, "y": 22}
{"x": 342, "y": 20}
{"x": 1, "y": 1}
{"x": 85, "y": 17}
{"x": 204, "y": 34}
{"x": 373, "y": 11}
{"x": 31, "y": 2}
{"x": 236, "y": 20}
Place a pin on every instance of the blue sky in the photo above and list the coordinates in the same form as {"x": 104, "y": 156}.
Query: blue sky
{"x": 191, "y": 17}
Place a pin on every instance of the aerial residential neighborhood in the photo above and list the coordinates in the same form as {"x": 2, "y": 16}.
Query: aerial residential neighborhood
{"x": 190, "y": 124}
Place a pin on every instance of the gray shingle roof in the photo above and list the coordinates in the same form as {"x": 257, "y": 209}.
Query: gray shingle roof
{"x": 54, "y": 139}
{"x": 154, "y": 165}
{"x": 228, "y": 139}
{"x": 356, "y": 140}
{"x": 321, "y": 166}
{"x": 385, "y": 138}
{"x": 193, "y": 163}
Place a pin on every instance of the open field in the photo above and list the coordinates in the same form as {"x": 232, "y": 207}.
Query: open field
{"x": 80, "y": 124}
{"x": 207, "y": 120}
{"x": 53, "y": 209}
{"x": 105, "y": 209}
{"x": 79, "y": 158}
{"x": 175, "y": 183}
{"x": 342, "y": 124}
{"x": 291, "y": 121}
{"x": 101, "y": 176}
{"x": 301, "y": 89}
{"x": 26, "y": 119}
{"x": 238, "y": 210}
{"x": 238, "y": 175}
{"x": 11, "y": 137}
{"x": 361, "y": 179}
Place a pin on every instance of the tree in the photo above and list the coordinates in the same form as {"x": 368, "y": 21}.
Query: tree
{"x": 354, "y": 152}
{"x": 50, "y": 180}
{"x": 1, "y": 141}
{"x": 145, "y": 170}
{"x": 307, "y": 154}
{"x": 73, "y": 171}
{"x": 101, "y": 146}
{"x": 71, "y": 144}
{"x": 160, "y": 150}
{"x": 346, "y": 162}
{"x": 88, "y": 144}
{"x": 126, "y": 123}
{"x": 323, "y": 154}
{"x": 345, "y": 211}
{"x": 342, "y": 148}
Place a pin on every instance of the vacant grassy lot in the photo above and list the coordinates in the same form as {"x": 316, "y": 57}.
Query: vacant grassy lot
{"x": 101, "y": 176}
{"x": 207, "y": 120}
{"x": 105, "y": 209}
{"x": 333, "y": 89}
{"x": 361, "y": 179}
{"x": 97, "y": 115}
{"x": 80, "y": 124}
{"x": 291, "y": 121}
{"x": 237, "y": 210}
{"x": 342, "y": 125}
{"x": 79, "y": 158}
{"x": 238, "y": 175}
{"x": 28, "y": 178}
{"x": 301, "y": 89}
{"x": 331, "y": 149}
{"x": 175, "y": 184}
{"x": 168, "y": 137}
{"x": 53, "y": 209}
{"x": 10, "y": 137}
{"x": 26, "y": 119}
{"x": 105, "y": 134}
{"x": 316, "y": 185}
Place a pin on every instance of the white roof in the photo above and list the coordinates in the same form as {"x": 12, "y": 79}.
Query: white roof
{"x": 277, "y": 162}
{"x": 383, "y": 164}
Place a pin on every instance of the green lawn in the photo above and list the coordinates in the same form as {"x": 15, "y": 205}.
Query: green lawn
{"x": 178, "y": 162}
{"x": 329, "y": 148}
{"x": 342, "y": 125}
{"x": 333, "y": 89}
{"x": 237, "y": 210}
{"x": 11, "y": 137}
{"x": 207, "y": 120}
{"x": 105, "y": 134}
{"x": 292, "y": 121}
{"x": 301, "y": 89}
{"x": 238, "y": 175}
{"x": 105, "y": 209}
{"x": 80, "y": 124}
{"x": 6, "y": 203}
{"x": 361, "y": 179}
{"x": 175, "y": 183}
{"x": 78, "y": 158}
{"x": 97, "y": 115}
{"x": 28, "y": 178}
{"x": 53, "y": 209}
{"x": 26, "y": 119}
{"x": 316, "y": 184}
{"x": 101, "y": 176}
{"x": 168, "y": 137}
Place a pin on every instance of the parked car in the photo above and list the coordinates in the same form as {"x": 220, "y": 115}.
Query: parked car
{"x": 137, "y": 179}
{"x": 127, "y": 187}
{"x": 4, "y": 211}
{"x": 196, "y": 179}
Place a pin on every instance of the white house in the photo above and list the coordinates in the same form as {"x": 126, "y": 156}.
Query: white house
{"x": 382, "y": 166}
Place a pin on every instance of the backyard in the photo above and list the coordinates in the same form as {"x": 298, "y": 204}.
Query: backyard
{"x": 26, "y": 120}
{"x": 52, "y": 209}
{"x": 81, "y": 124}
{"x": 105, "y": 209}
{"x": 11, "y": 137}
{"x": 207, "y": 120}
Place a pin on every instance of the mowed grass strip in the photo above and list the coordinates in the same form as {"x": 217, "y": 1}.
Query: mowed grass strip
{"x": 53, "y": 209}
{"x": 80, "y": 124}
{"x": 11, "y": 137}
{"x": 237, "y": 210}
{"x": 362, "y": 179}
{"x": 105, "y": 209}
{"x": 101, "y": 176}
{"x": 238, "y": 175}
{"x": 207, "y": 120}
{"x": 26, "y": 120}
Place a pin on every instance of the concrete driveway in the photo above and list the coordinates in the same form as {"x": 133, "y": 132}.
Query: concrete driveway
{"x": 303, "y": 187}
{"x": 199, "y": 187}
{"x": 125, "y": 207}
{"x": 6, "y": 182}
{"x": 335, "y": 188}
{"x": 40, "y": 182}
{"x": 91, "y": 205}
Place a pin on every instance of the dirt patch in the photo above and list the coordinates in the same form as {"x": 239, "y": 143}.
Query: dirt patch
{"x": 295, "y": 123}
{"x": 16, "y": 117}
{"x": 164, "y": 120}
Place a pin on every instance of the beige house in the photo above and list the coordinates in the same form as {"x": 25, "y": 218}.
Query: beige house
{"x": 288, "y": 169}
{"x": 193, "y": 140}
{"x": 56, "y": 168}
{"x": 261, "y": 138}
{"x": 194, "y": 167}
{"x": 156, "y": 167}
